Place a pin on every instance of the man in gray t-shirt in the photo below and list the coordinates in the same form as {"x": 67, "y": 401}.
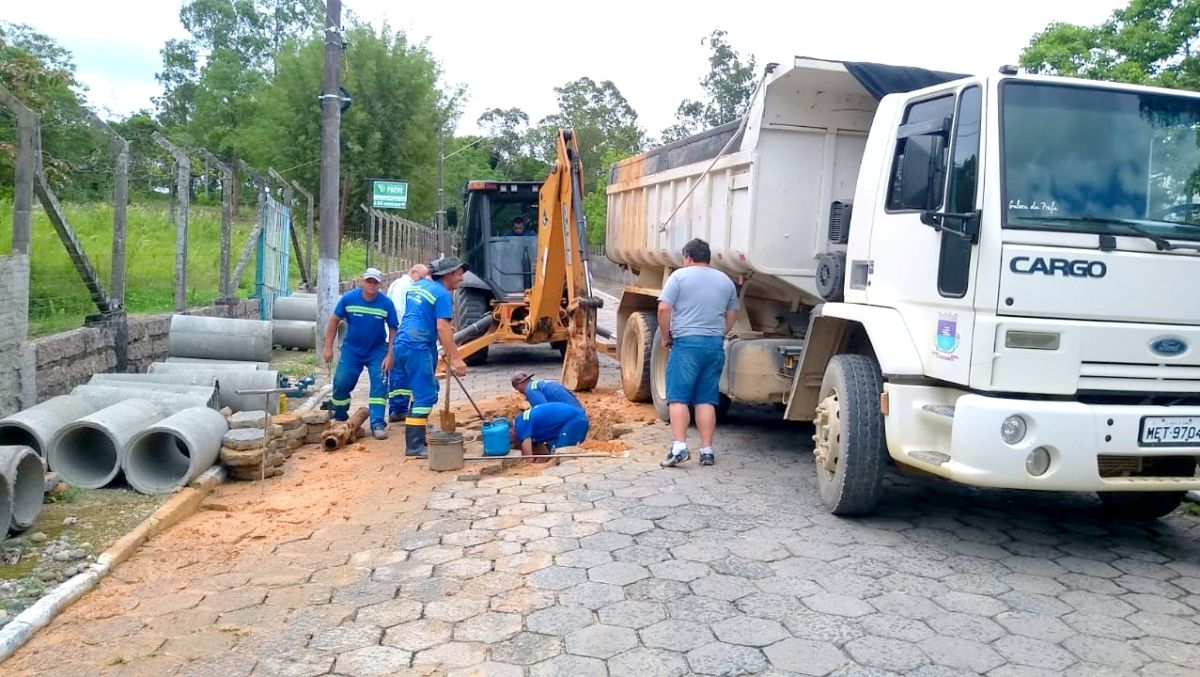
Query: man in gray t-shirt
{"x": 696, "y": 309}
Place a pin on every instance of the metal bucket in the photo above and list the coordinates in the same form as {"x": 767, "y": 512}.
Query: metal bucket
{"x": 445, "y": 450}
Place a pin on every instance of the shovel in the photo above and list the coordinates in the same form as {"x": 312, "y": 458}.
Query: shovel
{"x": 446, "y": 417}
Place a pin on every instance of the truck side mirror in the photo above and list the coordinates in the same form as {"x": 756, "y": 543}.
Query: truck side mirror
{"x": 452, "y": 216}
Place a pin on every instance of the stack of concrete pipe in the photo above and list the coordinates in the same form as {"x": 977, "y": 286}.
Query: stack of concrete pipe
{"x": 36, "y": 426}
{"x": 219, "y": 338}
{"x": 195, "y": 363}
{"x": 22, "y": 487}
{"x": 169, "y": 454}
{"x": 227, "y": 382}
{"x": 294, "y": 321}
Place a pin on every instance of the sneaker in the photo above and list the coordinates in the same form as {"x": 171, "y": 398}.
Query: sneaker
{"x": 395, "y": 417}
{"x": 379, "y": 433}
{"x": 674, "y": 459}
{"x": 423, "y": 452}
{"x": 708, "y": 459}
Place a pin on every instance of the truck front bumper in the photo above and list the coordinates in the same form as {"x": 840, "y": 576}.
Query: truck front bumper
{"x": 1067, "y": 446}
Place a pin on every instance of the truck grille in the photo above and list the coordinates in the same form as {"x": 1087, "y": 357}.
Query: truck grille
{"x": 1112, "y": 465}
{"x": 1139, "y": 376}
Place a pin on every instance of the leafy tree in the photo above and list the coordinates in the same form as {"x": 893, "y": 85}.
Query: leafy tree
{"x": 1150, "y": 42}
{"x": 727, "y": 90}
{"x": 509, "y": 136}
{"x": 602, "y": 120}
{"x": 595, "y": 203}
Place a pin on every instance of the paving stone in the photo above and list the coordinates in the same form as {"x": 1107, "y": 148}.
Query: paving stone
{"x": 1109, "y": 652}
{"x": 1022, "y": 671}
{"x": 466, "y": 567}
{"x": 1033, "y": 652}
{"x": 575, "y": 530}
{"x": 646, "y": 662}
{"x": 570, "y": 666}
{"x": 554, "y": 546}
{"x": 559, "y": 620}
{"x": 1157, "y": 604}
{"x": 456, "y": 609}
{"x": 741, "y": 567}
{"x": 1166, "y": 670}
{"x": 749, "y": 631}
{"x": 644, "y": 555}
{"x": 583, "y": 558}
{"x": 1026, "y": 624}
{"x": 956, "y": 652}
{"x": 606, "y": 540}
{"x": 389, "y": 613}
{"x": 667, "y": 500}
{"x": 631, "y": 526}
{"x": 656, "y": 590}
{"x": 676, "y": 635}
{"x": 418, "y": 635}
{"x": 525, "y": 563}
{"x": 680, "y": 570}
{"x": 700, "y": 609}
{"x": 556, "y": 577}
{"x": 700, "y": 552}
{"x": 592, "y": 595}
{"x": 1169, "y": 627}
{"x": 718, "y": 658}
{"x": 494, "y": 583}
{"x": 838, "y": 605}
{"x": 300, "y": 663}
{"x": 724, "y": 588}
{"x": 618, "y": 573}
{"x": 805, "y": 657}
{"x": 896, "y": 627}
{"x": 601, "y": 641}
{"x": 966, "y": 626}
{"x": 1167, "y": 650}
{"x": 437, "y": 554}
{"x": 969, "y": 603}
{"x": 1037, "y": 604}
{"x": 549, "y": 521}
{"x": 489, "y": 628}
{"x": 451, "y": 655}
{"x": 489, "y": 669}
{"x": 468, "y": 537}
{"x": 1102, "y": 626}
{"x": 402, "y": 572}
{"x": 431, "y": 589}
{"x": 523, "y": 600}
{"x": 527, "y": 648}
{"x": 632, "y": 614}
{"x": 884, "y": 653}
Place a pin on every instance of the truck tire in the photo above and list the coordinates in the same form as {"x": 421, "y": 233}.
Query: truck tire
{"x": 658, "y": 376}
{"x": 850, "y": 449}
{"x": 637, "y": 345}
{"x": 1148, "y": 505}
{"x": 469, "y": 306}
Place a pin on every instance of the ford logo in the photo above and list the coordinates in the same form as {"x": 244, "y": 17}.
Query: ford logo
{"x": 1169, "y": 346}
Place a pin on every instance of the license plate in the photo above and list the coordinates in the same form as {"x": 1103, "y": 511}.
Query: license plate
{"x": 1170, "y": 431}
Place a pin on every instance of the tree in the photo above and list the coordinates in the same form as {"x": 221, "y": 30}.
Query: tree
{"x": 1150, "y": 42}
{"x": 595, "y": 203}
{"x": 602, "y": 120}
{"x": 727, "y": 90}
{"x": 509, "y": 138}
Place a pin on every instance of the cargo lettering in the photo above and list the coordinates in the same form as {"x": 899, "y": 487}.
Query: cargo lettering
{"x": 1025, "y": 265}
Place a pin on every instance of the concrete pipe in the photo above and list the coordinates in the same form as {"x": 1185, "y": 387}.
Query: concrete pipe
{"x": 174, "y": 451}
{"x": 216, "y": 363}
{"x": 295, "y": 307}
{"x": 36, "y": 426}
{"x": 169, "y": 398}
{"x": 26, "y": 478}
{"x": 88, "y": 453}
{"x": 176, "y": 367}
{"x": 294, "y": 334}
{"x": 226, "y": 382}
{"x": 219, "y": 338}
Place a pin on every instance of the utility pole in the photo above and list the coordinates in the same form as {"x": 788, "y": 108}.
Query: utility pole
{"x": 331, "y": 136}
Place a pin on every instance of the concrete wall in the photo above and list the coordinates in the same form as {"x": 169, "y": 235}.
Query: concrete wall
{"x": 68, "y": 359}
{"x": 16, "y": 355}
{"x": 603, "y": 269}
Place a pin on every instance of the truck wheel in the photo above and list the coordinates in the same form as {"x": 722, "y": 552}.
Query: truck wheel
{"x": 469, "y": 306}
{"x": 1148, "y": 505}
{"x": 849, "y": 446}
{"x": 637, "y": 345}
{"x": 658, "y": 377}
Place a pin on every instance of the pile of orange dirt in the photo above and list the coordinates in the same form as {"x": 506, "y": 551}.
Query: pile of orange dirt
{"x": 606, "y": 408}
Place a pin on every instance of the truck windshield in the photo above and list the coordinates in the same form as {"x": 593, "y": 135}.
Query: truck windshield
{"x": 1078, "y": 158}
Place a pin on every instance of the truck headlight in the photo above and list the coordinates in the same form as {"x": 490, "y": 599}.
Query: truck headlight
{"x": 1038, "y": 462}
{"x": 1013, "y": 429}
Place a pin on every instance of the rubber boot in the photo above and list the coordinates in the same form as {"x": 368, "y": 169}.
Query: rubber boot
{"x": 414, "y": 441}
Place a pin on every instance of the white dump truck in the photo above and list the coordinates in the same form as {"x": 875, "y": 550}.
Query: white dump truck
{"x": 989, "y": 279}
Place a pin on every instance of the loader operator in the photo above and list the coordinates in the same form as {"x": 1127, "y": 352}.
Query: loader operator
{"x": 540, "y": 392}
{"x": 428, "y": 311}
{"x": 542, "y": 429}
{"x": 370, "y": 328}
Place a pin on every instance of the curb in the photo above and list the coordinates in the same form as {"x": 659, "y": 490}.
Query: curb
{"x": 21, "y": 629}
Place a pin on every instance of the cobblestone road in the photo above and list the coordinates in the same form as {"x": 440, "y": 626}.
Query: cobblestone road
{"x": 621, "y": 568}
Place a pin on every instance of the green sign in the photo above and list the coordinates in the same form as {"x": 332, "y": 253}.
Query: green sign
{"x": 389, "y": 194}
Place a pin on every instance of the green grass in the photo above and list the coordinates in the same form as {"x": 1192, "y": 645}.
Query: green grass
{"x": 58, "y": 299}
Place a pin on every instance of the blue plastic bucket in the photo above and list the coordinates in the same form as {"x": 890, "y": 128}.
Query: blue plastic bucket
{"x": 495, "y": 438}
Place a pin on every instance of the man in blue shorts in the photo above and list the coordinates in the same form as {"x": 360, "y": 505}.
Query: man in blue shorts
{"x": 542, "y": 429}
{"x": 370, "y": 327}
{"x": 428, "y": 316}
{"x": 538, "y": 391}
{"x": 696, "y": 309}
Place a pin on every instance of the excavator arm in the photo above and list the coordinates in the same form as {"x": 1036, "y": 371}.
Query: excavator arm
{"x": 562, "y": 288}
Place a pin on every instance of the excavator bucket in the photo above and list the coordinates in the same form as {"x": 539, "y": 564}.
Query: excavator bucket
{"x": 581, "y": 365}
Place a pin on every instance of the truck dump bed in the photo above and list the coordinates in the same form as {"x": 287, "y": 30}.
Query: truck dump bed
{"x": 764, "y": 206}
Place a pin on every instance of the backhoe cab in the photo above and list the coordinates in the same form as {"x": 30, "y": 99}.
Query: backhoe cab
{"x": 524, "y": 242}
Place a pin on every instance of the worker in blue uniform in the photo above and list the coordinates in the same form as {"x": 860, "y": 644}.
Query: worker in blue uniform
{"x": 366, "y": 311}
{"x": 539, "y": 391}
{"x": 428, "y": 315}
{"x": 542, "y": 429}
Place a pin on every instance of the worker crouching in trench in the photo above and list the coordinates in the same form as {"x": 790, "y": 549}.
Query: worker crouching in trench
{"x": 542, "y": 429}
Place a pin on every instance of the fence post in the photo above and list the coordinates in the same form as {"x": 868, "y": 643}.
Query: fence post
{"x": 115, "y": 316}
{"x": 308, "y": 225}
{"x": 288, "y": 201}
{"x": 224, "y": 293}
{"x": 182, "y": 200}
{"x": 27, "y": 126}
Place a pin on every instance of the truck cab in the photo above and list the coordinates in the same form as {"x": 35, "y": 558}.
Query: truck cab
{"x": 983, "y": 278}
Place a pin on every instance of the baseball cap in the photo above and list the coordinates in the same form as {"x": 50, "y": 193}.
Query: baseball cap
{"x": 445, "y": 266}
{"x": 520, "y": 377}
{"x": 373, "y": 274}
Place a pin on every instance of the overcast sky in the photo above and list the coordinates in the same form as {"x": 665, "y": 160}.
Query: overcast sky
{"x": 515, "y": 53}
